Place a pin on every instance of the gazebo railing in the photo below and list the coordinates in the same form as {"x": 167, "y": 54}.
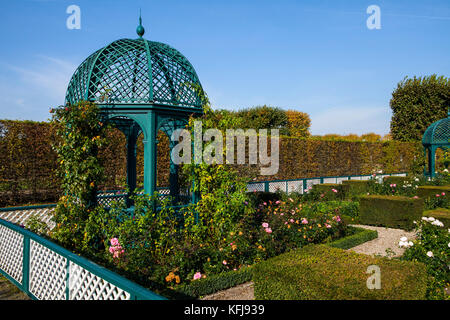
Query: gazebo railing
{"x": 46, "y": 271}
{"x": 302, "y": 185}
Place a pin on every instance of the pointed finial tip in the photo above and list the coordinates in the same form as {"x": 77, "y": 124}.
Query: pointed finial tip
{"x": 140, "y": 29}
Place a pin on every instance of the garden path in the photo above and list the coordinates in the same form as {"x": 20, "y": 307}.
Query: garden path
{"x": 386, "y": 244}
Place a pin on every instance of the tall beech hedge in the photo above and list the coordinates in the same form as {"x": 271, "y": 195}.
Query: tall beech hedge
{"x": 28, "y": 163}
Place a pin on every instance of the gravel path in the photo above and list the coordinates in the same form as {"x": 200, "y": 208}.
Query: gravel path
{"x": 8, "y": 291}
{"x": 242, "y": 292}
{"x": 387, "y": 240}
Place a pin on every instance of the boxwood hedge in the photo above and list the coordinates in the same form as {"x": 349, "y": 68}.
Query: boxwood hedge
{"x": 390, "y": 211}
{"x": 320, "y": 272}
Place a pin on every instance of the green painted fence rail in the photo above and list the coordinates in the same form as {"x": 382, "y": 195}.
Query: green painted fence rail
{"x": 46, "y": 271}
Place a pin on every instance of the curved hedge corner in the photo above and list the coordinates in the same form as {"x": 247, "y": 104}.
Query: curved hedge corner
{"x": 441, "y": 214}
{"x": 319, "y": 272}
{"x": 390, "y": 211}
{"x": 359, "y": 237}
{"x": 431, "y": 191}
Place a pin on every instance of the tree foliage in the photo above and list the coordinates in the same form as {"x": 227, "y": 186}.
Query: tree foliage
{"x": 416, "y": 103}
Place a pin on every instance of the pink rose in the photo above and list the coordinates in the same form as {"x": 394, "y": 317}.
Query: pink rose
{"x": 197, "y": 276}
{"x": 265, "y": 225}
{"x": 268, "y": 230}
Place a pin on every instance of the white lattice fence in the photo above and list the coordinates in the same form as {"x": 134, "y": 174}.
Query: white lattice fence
{"x": 84, "y": 285}
{"x": 46, "y": 271}
{"x": 21, "y": 215}
{"x": 11, "y": 253}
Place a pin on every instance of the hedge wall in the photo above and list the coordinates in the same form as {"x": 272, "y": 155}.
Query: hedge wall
{"x": 319, "y": 272}
{"x": 431, "y": 191}
{"x": 441, "y": 214}
{"x": 390, "y": 211}
{"x": 28, "y": 163}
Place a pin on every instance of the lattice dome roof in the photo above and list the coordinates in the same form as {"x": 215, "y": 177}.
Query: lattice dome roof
{"x": 136, "y": 71}
{"x": 438, "y": 133}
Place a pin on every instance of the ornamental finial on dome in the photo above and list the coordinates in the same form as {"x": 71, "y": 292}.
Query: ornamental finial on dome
{"x": 140, "y": 29}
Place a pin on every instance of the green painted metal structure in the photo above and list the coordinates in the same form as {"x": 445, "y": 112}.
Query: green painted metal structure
{"x": 436, "y": 136}
{"x": 142, "y": 87}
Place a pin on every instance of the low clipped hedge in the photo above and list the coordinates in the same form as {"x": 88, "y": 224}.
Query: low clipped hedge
{"x": 390, "y": 211}
{"x": 431, "y": 191}
{"x": 357, "y": 187}
{"x": 399, "y": 181}
{"x": 441, "y": 214}
{"x": 358, "y": 236}
{"x": 320, "y": 272}
{"x": 328, "y": 194}
{"x": 215, "y": 283}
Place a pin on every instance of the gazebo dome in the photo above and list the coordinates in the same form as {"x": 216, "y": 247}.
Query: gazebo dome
{"x": 136, "y": 71}
{"x": 438, "y": 133}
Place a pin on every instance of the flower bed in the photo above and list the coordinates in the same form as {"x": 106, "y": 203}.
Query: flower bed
{"x": 440, "y": 213}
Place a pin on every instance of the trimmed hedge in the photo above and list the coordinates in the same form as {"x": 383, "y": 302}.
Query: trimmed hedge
{"x": 213, "y": 284}
{"x": 441, "y": 214}
{"x": 399, "y": 181}
{"x": 320, "y": 272}
{"x": 326, "y": 190}
{"x": 357, "y": 187}
{"x": 390, "y": 211}
{"x": 359, "y": 236}
{"x": 431, "y": 191}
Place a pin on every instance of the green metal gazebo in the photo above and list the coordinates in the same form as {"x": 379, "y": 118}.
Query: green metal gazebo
{"x": 141, "y": 87}
{"x": 436, "y": 136}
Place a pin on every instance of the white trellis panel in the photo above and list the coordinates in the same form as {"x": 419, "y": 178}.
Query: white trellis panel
{"x": 84, "y": 285}
{"x": 329, "y": 180}
{"x": 275, "y": 186}
{"x": 339, "y": 180}
{"x": 11, "y": 253}
{"x": 355, "y": 178}
{"x": 365, "y": 177}
{"x": 311, "y": 182}
{"x": 21, "y": 216}
{"x": 48, "y": 273}
{"x": 251, "y": 187}
{"x": 295, "y": 186}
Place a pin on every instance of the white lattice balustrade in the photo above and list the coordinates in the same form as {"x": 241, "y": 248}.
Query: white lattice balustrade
{"x": 21, "y": 216}
{"x": 48, "y": 273}
{"x": 11, "y": 253}
{"x": 84, "y": 285}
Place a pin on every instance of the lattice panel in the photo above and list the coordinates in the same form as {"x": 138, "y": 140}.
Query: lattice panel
{"x": 329, "y": 180}
{"x": 295, "y": 186}
{"x": 339, "y": 180}
{"x": 21, "y": 216}
{"x": 136, "y": 71}
{"x": 48, "y": 273}
{"x": 11, "y": 253}
{"x": 251, "y": 187}
{"x": 107, "y": 201}
{"x": 365, "y": 177}
{"x": 355, "y": 178}
{"x": 311, "y": 182}
{"x": 84, "y": 285}
{"x": 277, "y": 186}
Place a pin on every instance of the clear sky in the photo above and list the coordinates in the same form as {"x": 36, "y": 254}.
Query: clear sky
{"x": 314, "y": 56}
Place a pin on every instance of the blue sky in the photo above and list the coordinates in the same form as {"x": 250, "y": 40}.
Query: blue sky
{"x": 314, "y": 56}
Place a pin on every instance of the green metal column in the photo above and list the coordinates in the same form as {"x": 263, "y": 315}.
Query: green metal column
{"x": 150, "y": 155}
{"x": 432, "y": 160}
